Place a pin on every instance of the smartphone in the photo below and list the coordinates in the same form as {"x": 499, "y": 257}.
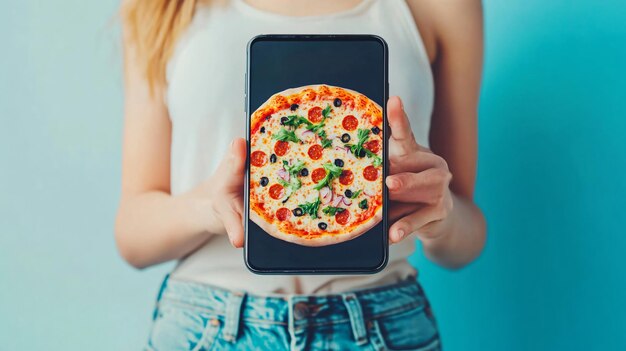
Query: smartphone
{"x": 315, "y": 196}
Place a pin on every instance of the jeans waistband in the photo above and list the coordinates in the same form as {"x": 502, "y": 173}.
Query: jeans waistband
{"x": 294, "y": 312}
{"x": 299, "y": 309}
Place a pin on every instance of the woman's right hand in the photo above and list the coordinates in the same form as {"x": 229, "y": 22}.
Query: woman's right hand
{"x": 224, "y": 189}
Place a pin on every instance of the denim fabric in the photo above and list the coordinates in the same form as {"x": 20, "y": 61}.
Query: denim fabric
{"x": 192, "y": 316}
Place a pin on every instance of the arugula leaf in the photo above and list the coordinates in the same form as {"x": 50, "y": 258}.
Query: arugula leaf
{"x": 377, "y": 161}
{"x": 295, "y": 168}
{"x": 326, "y": 143}
{"x": 315, "y": 128}
{"x": 311, "y": 208}
{"x": 358, "y": 149}
{"x": 363, "y": 204}
{"x": 332, "y": 171}
{"x": 293, "y": 184}
{"x": 356, "y": 194}
{"x": 362, "y": 134}
{"x": 286, "y": 135}
{"x": 296, "y": 121}
{"x": 324, "y": 182}
{"x": 331, "y": 211}
{"x": 326, "y": 111}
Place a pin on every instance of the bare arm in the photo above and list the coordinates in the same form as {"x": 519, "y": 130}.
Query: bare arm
{"x": 457, "y": 230}
{"x": 152, "y": 225}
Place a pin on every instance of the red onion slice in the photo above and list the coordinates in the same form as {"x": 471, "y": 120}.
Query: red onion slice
{"x": 347, "y": 201}
{"x": 283, "y": 174}
{"x": 307, "y": 135}
{"x": 343, "y": 148}
{"x": 338, "y": 200}
{"x": 326, "y": 195}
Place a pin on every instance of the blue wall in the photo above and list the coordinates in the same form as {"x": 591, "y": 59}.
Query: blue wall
{"x": 552, "y": 154}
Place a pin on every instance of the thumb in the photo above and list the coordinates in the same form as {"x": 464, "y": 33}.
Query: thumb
{"x": 401, "y": 132}
{"x": 231, "y": 218}
{"x": 235, "y": 163}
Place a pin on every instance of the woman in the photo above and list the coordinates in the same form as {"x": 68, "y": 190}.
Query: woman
{"x": 183, "y": 173}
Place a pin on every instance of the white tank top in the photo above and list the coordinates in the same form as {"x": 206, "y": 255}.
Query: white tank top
{"x": 205, "y": 99}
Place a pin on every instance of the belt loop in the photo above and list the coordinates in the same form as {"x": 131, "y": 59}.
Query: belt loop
{"x": 356, "y": 318}
{"x": 291, "y": 324}
{"x": 159, "y": 296}
{"x": 233, "y": 315}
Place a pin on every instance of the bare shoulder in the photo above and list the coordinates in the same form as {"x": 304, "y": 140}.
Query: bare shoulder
{"x": 448, "y": 24}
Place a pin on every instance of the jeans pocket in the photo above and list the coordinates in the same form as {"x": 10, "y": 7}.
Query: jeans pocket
{"x": 410, "y": 330}
{"x": 178, "y": 328}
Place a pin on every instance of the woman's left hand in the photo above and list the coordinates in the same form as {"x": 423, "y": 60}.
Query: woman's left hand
{"x": 418, "y": 182}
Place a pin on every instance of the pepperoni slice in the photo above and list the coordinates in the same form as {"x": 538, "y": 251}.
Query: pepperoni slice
{"x": 349, "y": 122}
{"x": 342, "y": 217}
{"x": 277, "y": 191}
{"x": 258, "y": 158}
{"x": 370, "y": 173}
{"x": 315, "y": 114}
{"x": 318, "y": 174}
{"x": 346, "y": 177}
{"x": 283, "y": 213}
{"x": 315, "y": 152}
{"x": 281, "y": 148}
{"x": 373, "y": 145}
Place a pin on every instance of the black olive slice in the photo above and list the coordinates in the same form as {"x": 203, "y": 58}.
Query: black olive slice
{"x": 264, "y": 181}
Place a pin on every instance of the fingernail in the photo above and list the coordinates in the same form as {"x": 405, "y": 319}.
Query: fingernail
{"x": 400, "y": 234}
{"x": 401, "y": 103}
{"x": 393, "y": 184}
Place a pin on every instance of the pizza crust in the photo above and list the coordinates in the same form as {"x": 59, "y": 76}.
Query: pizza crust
{"x": 257, "y": 116}
{"x": 322, "y": 240}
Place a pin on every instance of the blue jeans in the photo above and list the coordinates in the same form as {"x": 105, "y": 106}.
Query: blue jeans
{"x": 192, "y": 316}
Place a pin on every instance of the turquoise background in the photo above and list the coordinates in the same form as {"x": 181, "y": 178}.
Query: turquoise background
{"x": 552, "y": 159}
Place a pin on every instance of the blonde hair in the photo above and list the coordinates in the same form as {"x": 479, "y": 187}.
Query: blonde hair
{"x": 152, "y": 28}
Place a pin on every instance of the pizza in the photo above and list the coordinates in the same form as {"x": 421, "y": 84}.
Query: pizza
{"x": 316, "y": 165}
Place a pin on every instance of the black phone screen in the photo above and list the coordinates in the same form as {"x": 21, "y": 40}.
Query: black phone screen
{"x": 277, "y": 63}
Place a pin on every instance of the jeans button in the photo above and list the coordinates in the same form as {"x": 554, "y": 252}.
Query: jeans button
{"x": 300, "y": 310}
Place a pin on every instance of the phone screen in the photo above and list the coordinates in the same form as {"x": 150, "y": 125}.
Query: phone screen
{"x": 317, "y": 139}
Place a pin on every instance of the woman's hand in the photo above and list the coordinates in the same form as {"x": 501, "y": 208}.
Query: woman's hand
{"x": 418, "y": 182}
{"x": 224, "y": 190}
